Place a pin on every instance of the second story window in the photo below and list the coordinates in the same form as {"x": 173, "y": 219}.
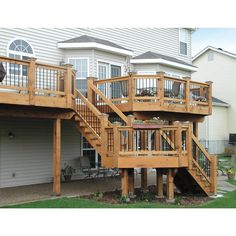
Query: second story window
{"x": 183, "y": 42}
{"x": 81, "y": 67}
{"x": 19, "y": 49}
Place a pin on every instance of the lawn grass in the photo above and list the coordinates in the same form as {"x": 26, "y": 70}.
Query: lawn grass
{"x": 228, "y": 201}
{"x": 233, "y": 181}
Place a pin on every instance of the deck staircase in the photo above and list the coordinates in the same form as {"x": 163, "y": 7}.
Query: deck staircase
{"x": 197, "y": 177}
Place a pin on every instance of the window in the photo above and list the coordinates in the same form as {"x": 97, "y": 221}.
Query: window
{"x": 183, "y": 42}
{"x": 210, "y": 56}
{"x": 81, "y": 67}
{"x": 19, "y": 49}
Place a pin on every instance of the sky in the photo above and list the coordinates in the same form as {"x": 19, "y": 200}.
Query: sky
{"x": 224, "y": 38}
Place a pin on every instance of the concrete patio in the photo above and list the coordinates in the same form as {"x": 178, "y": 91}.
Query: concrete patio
{"x": 36, "y": 192}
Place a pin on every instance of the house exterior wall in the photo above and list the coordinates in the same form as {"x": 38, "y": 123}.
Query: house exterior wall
{"x": 29, "y": 155}
{"x": 222, "y": 71}
{"x": 213, "y": 132}
{"x": 44, "y": 40}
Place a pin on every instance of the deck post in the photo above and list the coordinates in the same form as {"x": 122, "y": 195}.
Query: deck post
{"x": 131, "y": 88}
{"x": 144, "y": 178}
{"x": 209, "y": 96}
{"x": 131, "y": 181}
{"x": 32, "y": 80}
{"x": 68, "y": 85}
{"x": 104, "y": 125}
{"x": 187, "y": 92}
{"x": 159, "y": 183}
{"x": 57, "y": 156}
{"x": 213, "y": 174}
{"x": 124, "y": 182}
{"x": 90, "y": 93}
{"x": 170, "y": 184}
{"x": 195, "y": 132}
{"x": 189, "y": 146}
{"x": 160, "y": 87}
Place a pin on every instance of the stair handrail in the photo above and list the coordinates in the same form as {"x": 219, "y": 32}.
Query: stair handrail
{"x": 109, "y": 103}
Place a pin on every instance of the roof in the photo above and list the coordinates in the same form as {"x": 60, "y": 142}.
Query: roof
{"x": 219, "y": 50}
{"x": 88, "y": 41}
{"x": 219, "y": 102}
{"x": 153, "y": 57}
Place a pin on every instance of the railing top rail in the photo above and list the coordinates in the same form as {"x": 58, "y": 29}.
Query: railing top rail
{"x": 13, "y": 60}
{"x": 48, "y": 66}
{"x": 91, "y": 106}
{"x": 114, "y": 79}
{"x": 199, "y": 83}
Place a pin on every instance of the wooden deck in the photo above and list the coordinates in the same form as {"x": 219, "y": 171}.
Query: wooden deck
{"x": 155, "y": 93}
{"x": 32, "y": 89}
{"x": 30, "y": 83}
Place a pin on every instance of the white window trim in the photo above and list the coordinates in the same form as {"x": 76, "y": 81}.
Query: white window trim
{"x": 19, "y": 53}
{"x": 184, "y": 42}
{"x": 87, "y": 58}
{"x": 109, "y": 66}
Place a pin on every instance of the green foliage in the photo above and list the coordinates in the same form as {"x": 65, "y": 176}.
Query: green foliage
{"x": 124, "y": 199}
{"x": 98, "y": 195}
{"x": 146, "y": 196}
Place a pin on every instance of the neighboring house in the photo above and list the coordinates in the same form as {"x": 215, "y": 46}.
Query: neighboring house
{"x": 26, "y": 144}
{"x": 219, "y": 66}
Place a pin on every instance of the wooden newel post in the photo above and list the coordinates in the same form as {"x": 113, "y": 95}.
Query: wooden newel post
{"x": 131, "y": 87}
{"x": 160, "y": 87}
{"x": 209, "y": 96}
{"x": 104, "y": 125}
{"x": 32, "y": 79}
{"x": 187, "y": 93}
{"x": 189, "y": 145}
{"x": 214, "y": 174}
{"x": 57, "y": 157}
{"x": 68, "y": 85}
{"x": 178, "y": 140}
{"x": 90, "y": 92}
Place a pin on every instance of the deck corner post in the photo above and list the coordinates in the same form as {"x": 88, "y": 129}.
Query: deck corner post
{"x": 131, "y": 181}
{"x": 144, "y": 183}
{"x": 32, "y": 80}
{"x": 170, "y": 184}
{"x": 213, "y": 174}
{"x": 131, "y": 87}
{"x": 124, "y": 182}
{"x": 57, "y": 157}
{"x": 187, "y": 92}
{"x": 104, "y": 124}
{"x": 159, "y": 182}
{"x": 209, "y": 96}
{"x": 160, "y": 87}
{"x": 68, "y": 85}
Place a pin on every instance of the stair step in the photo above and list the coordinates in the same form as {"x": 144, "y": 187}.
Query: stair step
{"x": 94, "y": 138}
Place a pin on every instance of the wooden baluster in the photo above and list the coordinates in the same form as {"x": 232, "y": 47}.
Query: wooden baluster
{"x": 160, "y": 88}
{"x": 32, "y": 80}
{"x": 57, "y": 157}
{"x": 209, "y": 96}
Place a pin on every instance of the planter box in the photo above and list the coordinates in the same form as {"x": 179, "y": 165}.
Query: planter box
{"x": 146, "y": 126}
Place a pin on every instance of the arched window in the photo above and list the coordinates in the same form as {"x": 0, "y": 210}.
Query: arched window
{"x": 20, "y": 49}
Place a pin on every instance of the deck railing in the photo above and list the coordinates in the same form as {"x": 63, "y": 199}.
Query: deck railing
{"x": 127, "y": 141}
{"x": 37, "y": 79}
{"x": 165, "y": 92}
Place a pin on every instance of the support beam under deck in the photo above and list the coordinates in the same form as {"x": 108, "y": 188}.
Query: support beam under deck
{"x": 57, "y": 157}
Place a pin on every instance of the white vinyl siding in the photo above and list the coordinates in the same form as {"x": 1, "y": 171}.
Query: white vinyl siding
{"x": 140, "y": 40}
{"x": 29, "y": 155}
